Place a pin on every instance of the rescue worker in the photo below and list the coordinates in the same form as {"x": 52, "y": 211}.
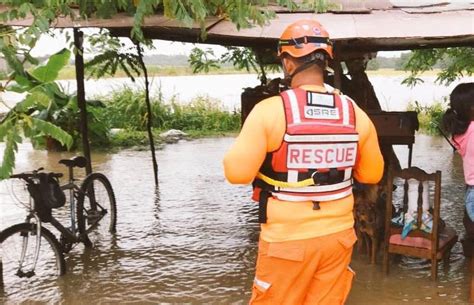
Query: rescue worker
{"x": 301, "y": 150}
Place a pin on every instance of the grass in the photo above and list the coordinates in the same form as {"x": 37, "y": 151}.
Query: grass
{"x": 127, "y": 138}
{"x": 70, "y": 73}
{"x": 430, "y": 116}
{"x": 126, "y": 110}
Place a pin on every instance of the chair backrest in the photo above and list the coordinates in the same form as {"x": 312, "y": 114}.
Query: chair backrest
{"x": 421, "y": 176}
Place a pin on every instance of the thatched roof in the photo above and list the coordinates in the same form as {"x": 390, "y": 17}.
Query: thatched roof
{"x": 362, "y": 26}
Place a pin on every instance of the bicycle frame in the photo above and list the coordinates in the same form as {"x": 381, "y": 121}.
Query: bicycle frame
{"x": 69, "y": 234}
{"x": 30, "y": 216}
{"x": 72, "y": 188}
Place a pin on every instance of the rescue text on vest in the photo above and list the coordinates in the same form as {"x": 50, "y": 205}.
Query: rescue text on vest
{"x": 317, "y": 156}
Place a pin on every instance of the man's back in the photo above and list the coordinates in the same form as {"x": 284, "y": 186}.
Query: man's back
{"x": 262, "y": 133}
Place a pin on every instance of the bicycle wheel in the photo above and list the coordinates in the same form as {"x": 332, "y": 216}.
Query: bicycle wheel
{"x": 96, "y": 209}
{"x": 23, "y": 239}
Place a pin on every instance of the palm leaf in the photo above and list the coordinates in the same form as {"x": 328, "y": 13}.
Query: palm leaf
{"x": 50, "y": 71}
{"x": 5, "y": 126}
{"x": 8, "y": 161}
{"x": 53, "y": 131}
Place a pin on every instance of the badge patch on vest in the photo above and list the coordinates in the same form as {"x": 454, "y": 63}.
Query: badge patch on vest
{"x": 318, "y": 156}
{"x": 322, "y": 113}
{"x": 321, "y": 99}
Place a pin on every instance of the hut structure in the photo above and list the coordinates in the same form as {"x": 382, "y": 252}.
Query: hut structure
{"x": 358, "y": 29}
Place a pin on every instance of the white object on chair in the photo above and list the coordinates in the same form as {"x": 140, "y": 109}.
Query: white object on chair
{"x": 425, "y": 196}
{"x": 412, "y": 196}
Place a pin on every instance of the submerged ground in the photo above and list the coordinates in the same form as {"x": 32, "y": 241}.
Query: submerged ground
{"x": 193, "y": 240}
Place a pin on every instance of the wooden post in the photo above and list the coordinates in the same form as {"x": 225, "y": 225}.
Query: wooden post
{"x": 472, "y": 278}
{"x": 337, "y": 74}
{"x": 1, "y": 273}
{"x": 150, "y": 114}
{"x": 81, "y": 96}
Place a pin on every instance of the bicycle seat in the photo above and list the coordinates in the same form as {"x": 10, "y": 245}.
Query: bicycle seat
{"x": 78, "y": 161}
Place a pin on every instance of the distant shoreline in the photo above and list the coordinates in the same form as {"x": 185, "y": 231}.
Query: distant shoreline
{"x": 155, "y": 71}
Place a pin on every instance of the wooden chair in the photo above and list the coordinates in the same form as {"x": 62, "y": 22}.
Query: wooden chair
{"x": 435, "y": 245}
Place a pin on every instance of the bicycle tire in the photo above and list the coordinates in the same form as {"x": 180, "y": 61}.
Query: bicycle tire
{"x": 49, "y": 265}
{"x": 92, "y": 227}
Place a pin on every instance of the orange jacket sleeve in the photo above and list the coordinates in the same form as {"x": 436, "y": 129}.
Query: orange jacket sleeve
{"x": 243, "y": 160}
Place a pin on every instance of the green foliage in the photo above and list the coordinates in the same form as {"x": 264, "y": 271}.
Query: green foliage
{"x": 202, "y": 60}
{"x": 8, "y": 134}
{"x": 126, "y": 109}
{"x": 129, "y": 138}
{"x": 34, "y": 116}
{"x": 455, "y": 63}
{"x": 202, "y": 114}
{"x": 112, "y": 57}
{"x": 241, "y": 58}
{"x": 50, "y": 71}
{"x": 41, "y": 127}
{"x": 430, "y": 116}
{"x": 243, "y": 13}
{"x": 373, "y": 64}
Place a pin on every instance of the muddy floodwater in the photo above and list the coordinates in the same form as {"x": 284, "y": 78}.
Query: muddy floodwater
{"x": 194, "y": 239}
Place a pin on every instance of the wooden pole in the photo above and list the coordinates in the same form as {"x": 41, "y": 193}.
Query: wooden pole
{"x": 472, "y": 278}
{"x": 81, "y": 96}
{"x": 337, "y": 74}
{"x": 150, "y": 114}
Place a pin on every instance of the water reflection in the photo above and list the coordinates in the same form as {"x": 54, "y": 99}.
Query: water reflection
{"x": 193, "y": 240}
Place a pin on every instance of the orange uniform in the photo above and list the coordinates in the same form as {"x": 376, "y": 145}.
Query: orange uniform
{"x": 294, "y": 233}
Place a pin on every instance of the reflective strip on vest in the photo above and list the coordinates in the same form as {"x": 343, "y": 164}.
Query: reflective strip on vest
{"x": 295, "y": 110}
{"x": 296, "y": 198}
{"x": 321, "y": 138}
{"x": 348, "y": 174}
{"x": 316, "y": 188}
{"x": 345, "y": 111}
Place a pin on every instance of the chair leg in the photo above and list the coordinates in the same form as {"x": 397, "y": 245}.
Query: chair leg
{"x": 446, "y": 257}
{"x": 386, "y": 260}
{"x": 472, "y": 279}
{"x": 434, "y": 268}
{"x": 374, "y": 251}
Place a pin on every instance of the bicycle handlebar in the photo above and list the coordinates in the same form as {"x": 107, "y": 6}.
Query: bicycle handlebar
{"x": 33, "y": 174}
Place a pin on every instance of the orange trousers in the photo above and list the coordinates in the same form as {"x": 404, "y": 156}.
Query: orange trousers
{"x": 313, "y": 271}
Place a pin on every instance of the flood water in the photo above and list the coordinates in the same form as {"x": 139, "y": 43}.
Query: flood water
{"x": 392, "y": 95}
{"x": 194, "y": 239}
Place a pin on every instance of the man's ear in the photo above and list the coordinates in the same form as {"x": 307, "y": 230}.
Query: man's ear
{"x": 288, "y": 64}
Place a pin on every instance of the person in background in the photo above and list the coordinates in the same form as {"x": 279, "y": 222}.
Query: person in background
{"x": 459, "y": 122}
{"x": 301, "y": 150}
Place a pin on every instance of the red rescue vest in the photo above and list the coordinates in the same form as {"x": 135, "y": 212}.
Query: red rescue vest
{"x": 318, "y": 152}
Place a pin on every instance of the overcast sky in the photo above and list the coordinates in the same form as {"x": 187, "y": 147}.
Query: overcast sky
{"x": 50, "y": 45}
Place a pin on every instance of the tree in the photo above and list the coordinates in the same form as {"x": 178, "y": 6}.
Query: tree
{"x": 373, "y": 64}
{"x": 454, "y": 63}
{"x": 16, "y": 45}
{"x": 29, "y": 118}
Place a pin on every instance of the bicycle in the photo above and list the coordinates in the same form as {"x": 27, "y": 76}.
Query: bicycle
{"x": 29, "y": 249}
